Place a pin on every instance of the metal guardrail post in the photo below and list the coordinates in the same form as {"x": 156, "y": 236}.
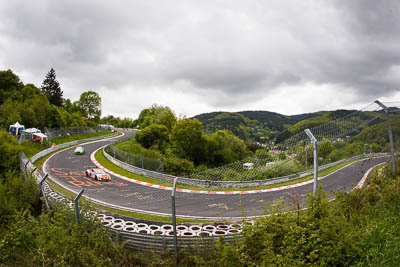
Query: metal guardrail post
{"x": 41, "y": 192}
{"x": 174, "y": 220}
{"x": 76, "y": 201}
{"x": 34, "y": 169}
{"x": 315, "y": 144}
{"x": 41, "y": 183}
{"x": 390, "y": 135}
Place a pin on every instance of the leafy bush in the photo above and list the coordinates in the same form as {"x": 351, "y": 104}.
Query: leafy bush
{"x": 16, "y": 195}
{"x": 177, "y": 166}
{"x": 9, "y": 153}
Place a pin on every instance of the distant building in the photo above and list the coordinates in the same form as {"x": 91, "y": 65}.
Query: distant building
{"x": 248, "y": 166}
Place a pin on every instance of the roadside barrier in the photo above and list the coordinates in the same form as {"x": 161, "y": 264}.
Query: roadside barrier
{"x": 138, "y": 235}
{"x": 225, "y": 184}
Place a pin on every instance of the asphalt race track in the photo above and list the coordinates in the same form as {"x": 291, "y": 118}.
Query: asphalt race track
{"x": 68, "y": 170}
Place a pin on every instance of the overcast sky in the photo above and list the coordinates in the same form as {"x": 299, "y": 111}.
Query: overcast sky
{"x": 200, "y": 56}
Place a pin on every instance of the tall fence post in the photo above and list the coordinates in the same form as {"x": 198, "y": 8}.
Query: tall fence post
{"x": 76, "y": 201}
{"x": 41, "y": 183}
{"x": 48, "y": 134}
{"x": 390, "y": 135}
{"x": 174, "y": 220}
{"x": 41, "y": 192}
{"x": 315, "y": 145}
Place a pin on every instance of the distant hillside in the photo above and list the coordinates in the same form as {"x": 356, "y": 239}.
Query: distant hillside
{"x": 252, "y": 125}
{"x": 269, "y": 126}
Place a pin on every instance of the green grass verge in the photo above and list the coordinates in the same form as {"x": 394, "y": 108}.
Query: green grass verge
{"x": 112, "y": 167}
{"x": 31, "y": 148}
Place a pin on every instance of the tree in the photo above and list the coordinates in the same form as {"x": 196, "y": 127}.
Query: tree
{"x": 157, "y": 114}
{"x": 189, "y": 141}
{"x": 225, "y": 147}
{"x": 154, "y": 136}
{"x": 90, "y": 105}
{"x": 51, "y": 87}
{"x": 10, "y": 85}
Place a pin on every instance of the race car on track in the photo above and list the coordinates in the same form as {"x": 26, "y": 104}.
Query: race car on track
{"x": 98, "y": 174}
{"x": 80, "y": 150}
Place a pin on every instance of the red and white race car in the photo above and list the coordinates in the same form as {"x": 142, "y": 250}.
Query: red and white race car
{"x": 98, "y": 174}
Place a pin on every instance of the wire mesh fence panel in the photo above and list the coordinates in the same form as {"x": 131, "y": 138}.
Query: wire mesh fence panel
{"x": 135, "y": 160}
{"x": 68, "y": 131}
{"x": 293, "y": 148}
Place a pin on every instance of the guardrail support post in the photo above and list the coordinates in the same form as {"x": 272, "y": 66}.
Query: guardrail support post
{"x": 390, "y": 135}
{"x": 76, "y": 201}
{"x": 315, "y": 145}
{"x": 174, "y": 220}
{"x": 41, "y": 183}
{"x": 41, "y": 190}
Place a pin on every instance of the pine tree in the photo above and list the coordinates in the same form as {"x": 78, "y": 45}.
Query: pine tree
{"x": 51, "y": 87}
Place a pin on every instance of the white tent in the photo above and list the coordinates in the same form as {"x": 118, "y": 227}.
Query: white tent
{"x": 16, "y": 128}
{"x": 32, "y": 130}
{"x": 39, "y": 137}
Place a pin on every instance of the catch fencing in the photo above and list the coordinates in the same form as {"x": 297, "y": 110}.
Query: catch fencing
{"x": 133, "y": 233}
{"x": 141, "y": 162}
{"x": 224, "y": 184}
{"x": 52, "y": 133}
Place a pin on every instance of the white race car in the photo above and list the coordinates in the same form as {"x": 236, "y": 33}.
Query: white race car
{"x": 98, "y": 174}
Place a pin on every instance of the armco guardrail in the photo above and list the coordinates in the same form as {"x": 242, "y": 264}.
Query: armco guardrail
{"x": 64, "y": 145}
{"x": 225, "y": 184}
{"x": 137, "y": 235}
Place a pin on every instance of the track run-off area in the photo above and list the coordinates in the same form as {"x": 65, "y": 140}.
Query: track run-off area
{"x": 68, "y": 170}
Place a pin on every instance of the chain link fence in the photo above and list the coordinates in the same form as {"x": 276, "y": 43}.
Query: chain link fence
{"x": 52, "y": 133}
{"x": 68, "y": 131}
{"x": 135, "y": 160}
{"x": 135, "y": 234}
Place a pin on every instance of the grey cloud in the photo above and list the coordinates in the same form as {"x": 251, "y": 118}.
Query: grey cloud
{"x": 236, "y": 51}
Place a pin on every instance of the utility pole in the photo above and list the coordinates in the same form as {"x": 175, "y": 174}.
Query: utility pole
{"x": 390, "y": 135}
{"x": 315, "y": 144}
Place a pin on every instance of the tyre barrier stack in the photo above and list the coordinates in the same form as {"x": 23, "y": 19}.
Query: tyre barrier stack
{"x": 151, "y": 229}
{"x": 140, "y": 235}
{"x": 145, "y": 236}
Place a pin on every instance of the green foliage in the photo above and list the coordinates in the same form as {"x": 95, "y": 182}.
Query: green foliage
{"x": 118, "y": 122}
{"x": 90, "y": 105}
{"x": 154, "y": 136}
{"x": 55, "y": 239}
{"x": 177, "y": 166}
{"x": 357, "y": 229}
{"x": 157, "y": 114}
{"x": 188, "y": 140}
{"x": 133, "y": 147}
{"x": 16, "y": 195}
{"x": 10, "y": 85}
{"x": 9, "y": 151}
{"x": 51, "y": 88}
{"x": 224, "y": 147}
{"x": 30, "y": 106}
{"x": 378, "y": 133}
